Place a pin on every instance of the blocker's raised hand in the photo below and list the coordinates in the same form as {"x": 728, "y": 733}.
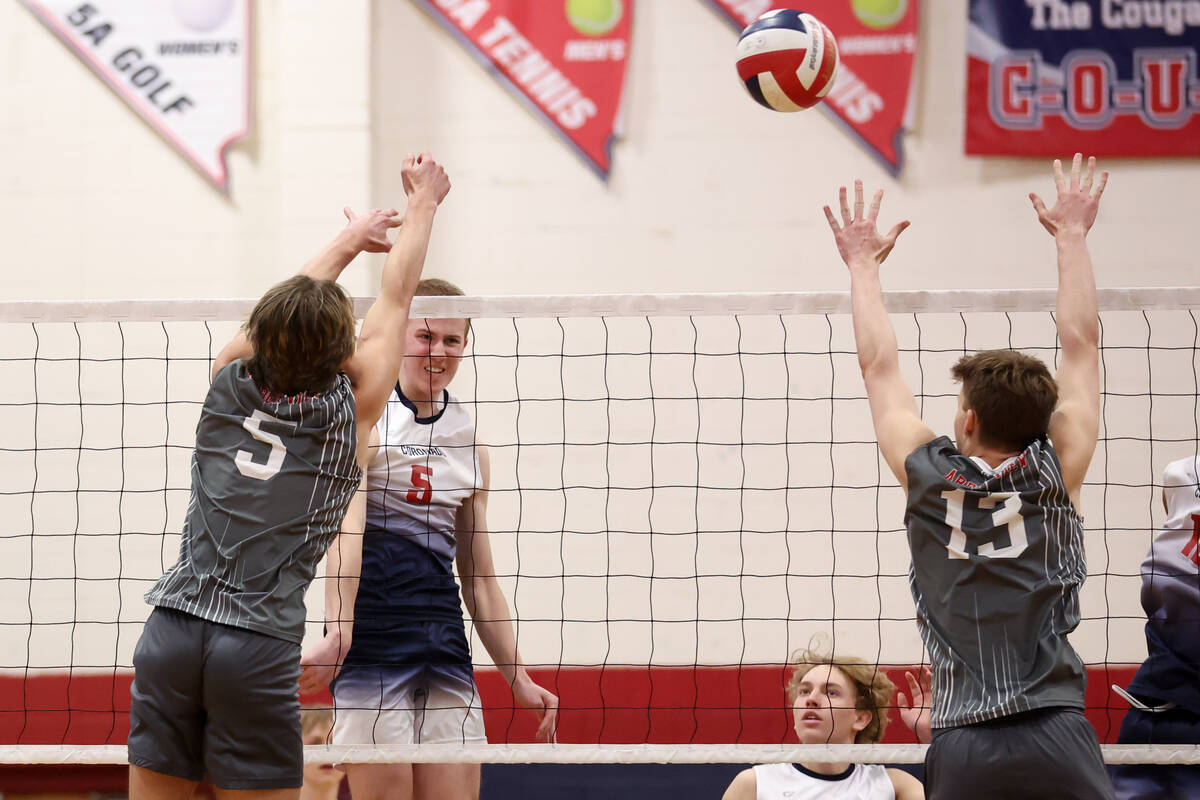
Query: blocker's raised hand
{"x": 371, "y": 228}
{"x": 858, "y": 240}
{"x": 422, "y": 176}
{"x": 1075, "y": 209}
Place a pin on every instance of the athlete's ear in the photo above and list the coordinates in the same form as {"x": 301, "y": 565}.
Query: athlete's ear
{"x": 971, "y": 424}
{"x": 862, "y": 719}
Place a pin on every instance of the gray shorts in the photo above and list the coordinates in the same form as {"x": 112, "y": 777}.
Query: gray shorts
{"x": 1049, "y": 754}
{"x": 210, "y": 700}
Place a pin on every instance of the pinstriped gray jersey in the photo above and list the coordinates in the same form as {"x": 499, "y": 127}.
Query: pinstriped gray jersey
{"x": 997, "y": 562}
{"x": 270, "y": 485}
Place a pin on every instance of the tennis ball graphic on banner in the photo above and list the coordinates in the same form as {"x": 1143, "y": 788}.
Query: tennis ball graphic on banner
{"x": 879, "y": 14}
{"x": 203, "y": 16}
{"x": 594, "y": 17}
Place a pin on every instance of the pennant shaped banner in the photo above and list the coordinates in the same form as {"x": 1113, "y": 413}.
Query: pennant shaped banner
{"x": 565, "y": 59}
{"x": 1109, "y": 79}
{"x": 877, "y": 45}
{"x": 183, "y": 65}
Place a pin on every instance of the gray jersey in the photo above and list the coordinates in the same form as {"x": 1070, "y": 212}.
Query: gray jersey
{"x": 270, "y": 484}
{"x": 997, "y": 562}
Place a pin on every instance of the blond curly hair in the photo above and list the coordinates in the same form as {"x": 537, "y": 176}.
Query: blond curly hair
{"x": 874, "y": 689}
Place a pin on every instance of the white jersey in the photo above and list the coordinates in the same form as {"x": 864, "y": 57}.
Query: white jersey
{"x": 423, "y": 471}
{"x": 794, "y": 782}
{"x": 1171, "y": 596}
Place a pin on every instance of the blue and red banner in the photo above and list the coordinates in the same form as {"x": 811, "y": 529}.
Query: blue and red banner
{"x": 877, "y": 44}
{"x": 565, "y": 59}
{"x": 1105, "y": 77}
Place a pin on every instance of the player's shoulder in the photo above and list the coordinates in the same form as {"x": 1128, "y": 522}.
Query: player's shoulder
{"x": 1182, "y": 472}
{"x": 904, "y": 785}
{"x": 744, "y": 785}
{"x": 930, "y": 456}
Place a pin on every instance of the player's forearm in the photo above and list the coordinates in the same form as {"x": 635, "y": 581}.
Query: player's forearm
{"x": 407, "y": 257}
{"x": 1078, "y": 324}
{"x": 327, "y": 265}
{"x": 493, "y": 621}
{"x": 873, "y": 334}
{"x": 343, "y": 567}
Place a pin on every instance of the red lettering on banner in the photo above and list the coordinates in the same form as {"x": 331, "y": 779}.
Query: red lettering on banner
{"x": 1089, "y": 90}
{"x": 1135, "y": 91}
{"x": 1014, "y": 98}
{"x": 1166, "y": 90}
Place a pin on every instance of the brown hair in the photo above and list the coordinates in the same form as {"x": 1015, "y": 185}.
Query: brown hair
{"x": 302, "y": 330}
{"x": 436, "y": 287}
{"x": 873, "y": 688}
{"x": 1012, "y": 394}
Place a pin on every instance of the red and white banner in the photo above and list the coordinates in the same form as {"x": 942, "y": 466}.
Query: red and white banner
{"x": 184, "y": 66}
{"x": 565, "y": 60}
{"x": 1109, "y": 79}
{"x": 877, "y": 44}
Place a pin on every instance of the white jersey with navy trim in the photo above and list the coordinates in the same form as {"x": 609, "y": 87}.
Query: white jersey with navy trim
{"x": 997, "y": 562}
{"x": 422, "y": 472}
{"x": 1171, "y": 595}
{"x": 794, "y": 782}
{"x": 418, "y": 479}
{"x": 271, "y": 480}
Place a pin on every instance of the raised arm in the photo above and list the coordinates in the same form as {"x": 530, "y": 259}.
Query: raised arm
{"x": 1076, "y": 419}
{"x": 366, "y": 232}
{"x": 898, "y": 426}
{"x": 485, "y": 602}
{"x": 376, "y": 363}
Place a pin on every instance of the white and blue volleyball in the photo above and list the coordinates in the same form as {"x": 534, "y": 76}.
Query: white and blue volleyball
{"x": 787, "y": 60}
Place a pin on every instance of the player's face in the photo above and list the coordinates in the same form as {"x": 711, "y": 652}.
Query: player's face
{"x": 433, "y": 349}
{"x": 321, "y": 778}
{"x": 824, "y": 710}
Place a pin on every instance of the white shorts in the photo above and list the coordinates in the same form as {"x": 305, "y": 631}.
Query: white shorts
{"x": 405, "y": 706}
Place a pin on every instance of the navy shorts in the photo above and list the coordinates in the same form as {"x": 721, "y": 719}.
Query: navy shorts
{"x": 210, "y": 700}
{"x": 1158, "y": 781}
{"x": 1049, "y": 754}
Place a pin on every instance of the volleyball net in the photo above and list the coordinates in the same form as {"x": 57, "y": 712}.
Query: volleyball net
{"x": 684, "y": 490}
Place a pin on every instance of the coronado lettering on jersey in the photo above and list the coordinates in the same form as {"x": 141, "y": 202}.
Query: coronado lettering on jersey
{"x": 421, "y": 450}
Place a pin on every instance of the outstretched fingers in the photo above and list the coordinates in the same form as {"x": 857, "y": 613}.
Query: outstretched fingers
{"x": 896, "y": 230}
{"x": 1075, "y": 164}
{"x": 876, "y": 202}
{"x": 1089, "y": 175}
{"x": 832, "y": 221}
{"x": 1038, "y": 205}
{"x": 846, "y": 218}
{"x": 1100, "y": 186}
{"x": 858, "y": 200}
{"x": 1060, "y": 182}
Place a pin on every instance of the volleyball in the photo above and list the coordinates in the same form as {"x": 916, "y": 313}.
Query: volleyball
{"x": 787, "y": 60}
